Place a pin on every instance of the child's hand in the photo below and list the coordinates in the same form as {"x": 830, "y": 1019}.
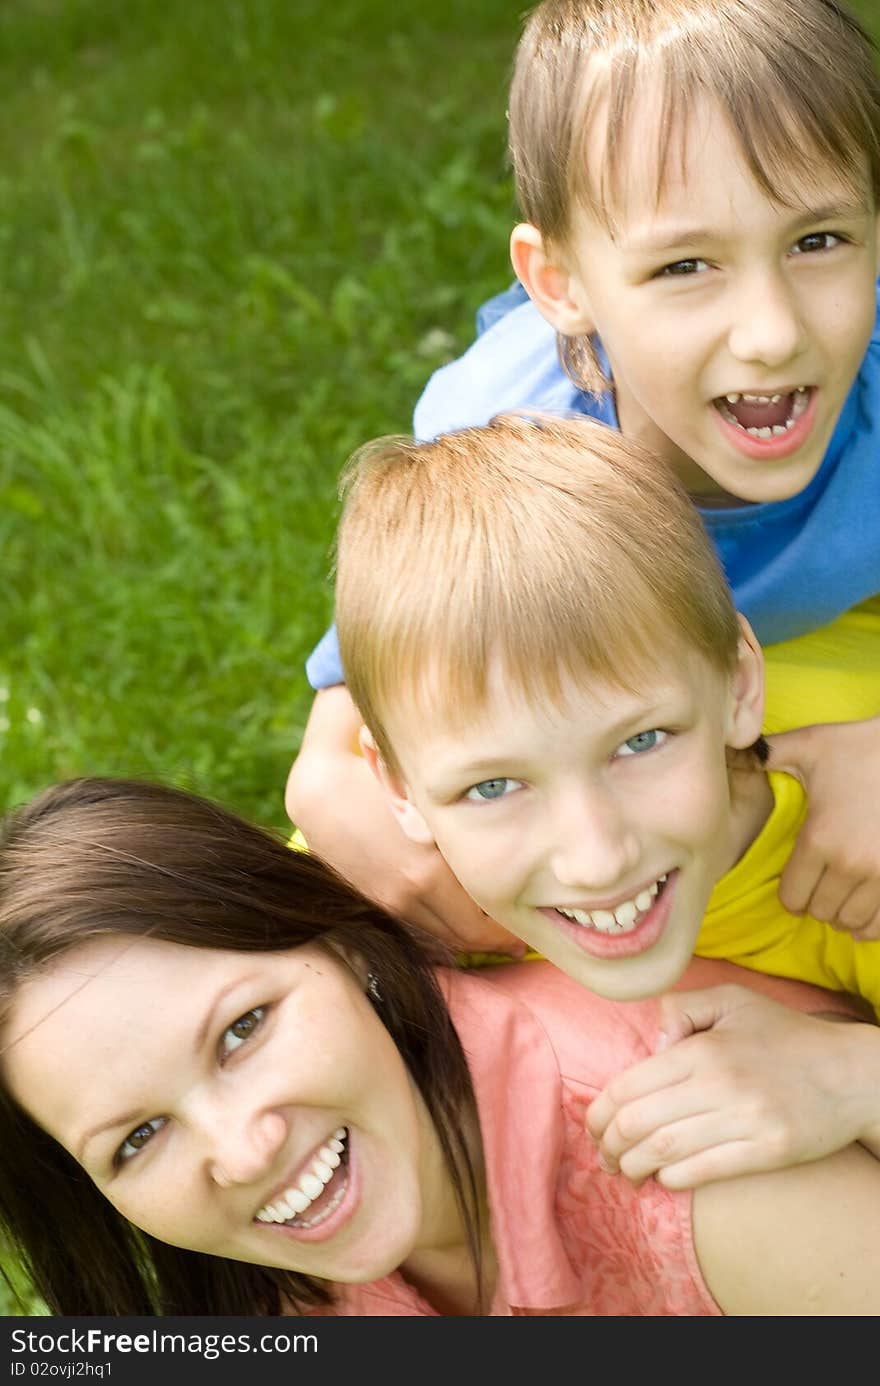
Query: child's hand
{"x": 761, "y": 1088}
{"x": 833, "y": 872}
{"x": 336, "y": 801}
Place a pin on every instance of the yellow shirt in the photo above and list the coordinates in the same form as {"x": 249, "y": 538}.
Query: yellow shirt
{"x": 829, "y": 675}
{"x": 746, "y": 923}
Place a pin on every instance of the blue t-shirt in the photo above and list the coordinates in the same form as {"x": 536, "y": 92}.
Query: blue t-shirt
{"x": 793, "y": 565}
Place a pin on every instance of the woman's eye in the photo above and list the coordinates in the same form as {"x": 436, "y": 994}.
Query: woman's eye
{"x": 241, "y": 1030}
{"x": 642, "y": 741}
{"x": 491, "y": 789}
{"x": 680, "y": 268}
{"x": 816, "y": 240}
{"x": 137, "y": 1139}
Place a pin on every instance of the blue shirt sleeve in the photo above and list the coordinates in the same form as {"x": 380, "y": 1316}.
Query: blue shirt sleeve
{"x": 513, "y": 364}
{"x": 324, "y": 665}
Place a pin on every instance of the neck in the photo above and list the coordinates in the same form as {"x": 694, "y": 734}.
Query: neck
{"x": 441, "y": 1266}
{"x": 751, "y": 804}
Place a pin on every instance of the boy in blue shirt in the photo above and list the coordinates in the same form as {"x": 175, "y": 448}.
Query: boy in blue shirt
{"x": 699, "y": 181}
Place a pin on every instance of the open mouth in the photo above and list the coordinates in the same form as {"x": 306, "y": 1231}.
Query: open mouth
{"x": 318, "y": 1190}
{"x": 764, "y": 416}
{"x": 624, "y": 918}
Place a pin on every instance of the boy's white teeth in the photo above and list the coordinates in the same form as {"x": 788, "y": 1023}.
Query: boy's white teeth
{"x": 622, "y": 919}
{"x": 300, "y": 1196}
{"x": 800, "y": 398}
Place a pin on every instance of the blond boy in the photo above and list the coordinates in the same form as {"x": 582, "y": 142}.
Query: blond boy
{"x": 698, "y": 182}
{"x": 558, "y": 694}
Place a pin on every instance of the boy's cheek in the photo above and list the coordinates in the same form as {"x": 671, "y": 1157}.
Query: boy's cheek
{"x": 482, "y": 870}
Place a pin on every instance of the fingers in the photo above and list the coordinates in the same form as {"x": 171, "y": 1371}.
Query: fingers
{"x": 847, "y": 902}
{"x": 685, "y": 1013}
{"x": 694, "y": 1143}
{"x": 645, "y": 1083}
{"x": 801, "y": 875}
{"x": 787, "y": 752}
{"x": 860, "y": 912}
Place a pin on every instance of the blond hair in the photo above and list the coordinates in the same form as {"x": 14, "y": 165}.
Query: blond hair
{"x": 795, "y": 80}
{"x": 554, "y": 549}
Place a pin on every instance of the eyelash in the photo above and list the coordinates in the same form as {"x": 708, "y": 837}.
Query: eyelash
{"x": 649, "y": 731}
{"x": 155, "y": 1124}
{"x": 675, "y": 269}
{"x": 821, "y": 236}
{"x": 671, "y": 271}
{"x": 490, "y": 798}
{"x": 260, "y": 1013}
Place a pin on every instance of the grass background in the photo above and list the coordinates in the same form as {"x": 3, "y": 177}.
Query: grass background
{"x": 236, "y": 238}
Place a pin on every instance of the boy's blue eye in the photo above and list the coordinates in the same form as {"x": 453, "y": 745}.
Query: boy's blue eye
{"x": 491, "y": 789}
{"x": 241, "y": 1030}
{"x": 137, "y": 1139}
{"x": 642, "y": 741}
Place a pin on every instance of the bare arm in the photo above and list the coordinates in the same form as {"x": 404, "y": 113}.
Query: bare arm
{"x": 335, "y": 800}
{"x": 798, "y": 1242}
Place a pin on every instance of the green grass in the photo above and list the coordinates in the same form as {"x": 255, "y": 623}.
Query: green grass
{"x": 237, "y": 237}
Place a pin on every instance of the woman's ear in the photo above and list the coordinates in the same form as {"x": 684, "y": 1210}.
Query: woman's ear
{"x": 745, "y": 711}
{"x": 396, "y": 792}
{"x": 558, "y": 294}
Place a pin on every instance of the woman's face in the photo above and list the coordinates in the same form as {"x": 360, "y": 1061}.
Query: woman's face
{"x": 247, "y": 1105}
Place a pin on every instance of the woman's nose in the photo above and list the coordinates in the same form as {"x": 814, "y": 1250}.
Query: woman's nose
{"x": 243, "y": 1151}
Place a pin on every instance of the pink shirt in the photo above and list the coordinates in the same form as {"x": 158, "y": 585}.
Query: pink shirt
{"x": 569, "y": 1239}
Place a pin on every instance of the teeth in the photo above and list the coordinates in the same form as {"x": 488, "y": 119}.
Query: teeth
{"x": 622, "y": 919}
{"x": 800, "y": 399}
{"x": 294, "y": 1201}
{"x": 603, "y": 920}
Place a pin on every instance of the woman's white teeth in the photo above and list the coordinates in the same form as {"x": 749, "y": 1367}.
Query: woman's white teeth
{"x": 295, "y": 1200}
{"x": 622, "y": 919}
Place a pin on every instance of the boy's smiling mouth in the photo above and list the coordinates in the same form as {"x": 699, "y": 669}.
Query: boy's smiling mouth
{"x": 623, "y": 918}
{"x": 764, "y": 416}
{"x": 773, "y": 424}
{"x": 642, "y": 920}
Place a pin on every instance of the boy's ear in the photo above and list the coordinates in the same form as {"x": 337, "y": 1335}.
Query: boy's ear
{"x": 396, "y": 792}
{"x": 557, "y": 294}
{"x": 745, "y": 712}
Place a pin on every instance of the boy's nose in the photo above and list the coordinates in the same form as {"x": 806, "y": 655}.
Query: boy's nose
{"x": 594, "y": 847}
{"x": 243, "y": 1149}
{"x": 767, "y": 327}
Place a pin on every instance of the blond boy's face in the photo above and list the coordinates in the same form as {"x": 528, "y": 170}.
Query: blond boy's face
{"x": 734, "y": 326}
{"x": 596, "y": 831}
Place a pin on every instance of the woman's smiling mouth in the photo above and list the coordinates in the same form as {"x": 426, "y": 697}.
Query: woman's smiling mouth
{"x": 318, "y": 1190}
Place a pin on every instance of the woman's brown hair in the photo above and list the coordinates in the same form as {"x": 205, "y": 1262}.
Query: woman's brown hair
{"x": 97, "y": 857}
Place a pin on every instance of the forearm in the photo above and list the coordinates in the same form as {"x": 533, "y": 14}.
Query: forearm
{"x": 857, "y": 1061}
{"x": 331, "y": 733}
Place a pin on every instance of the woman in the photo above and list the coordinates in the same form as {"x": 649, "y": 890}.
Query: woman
{"x": 233, "y": 1086}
